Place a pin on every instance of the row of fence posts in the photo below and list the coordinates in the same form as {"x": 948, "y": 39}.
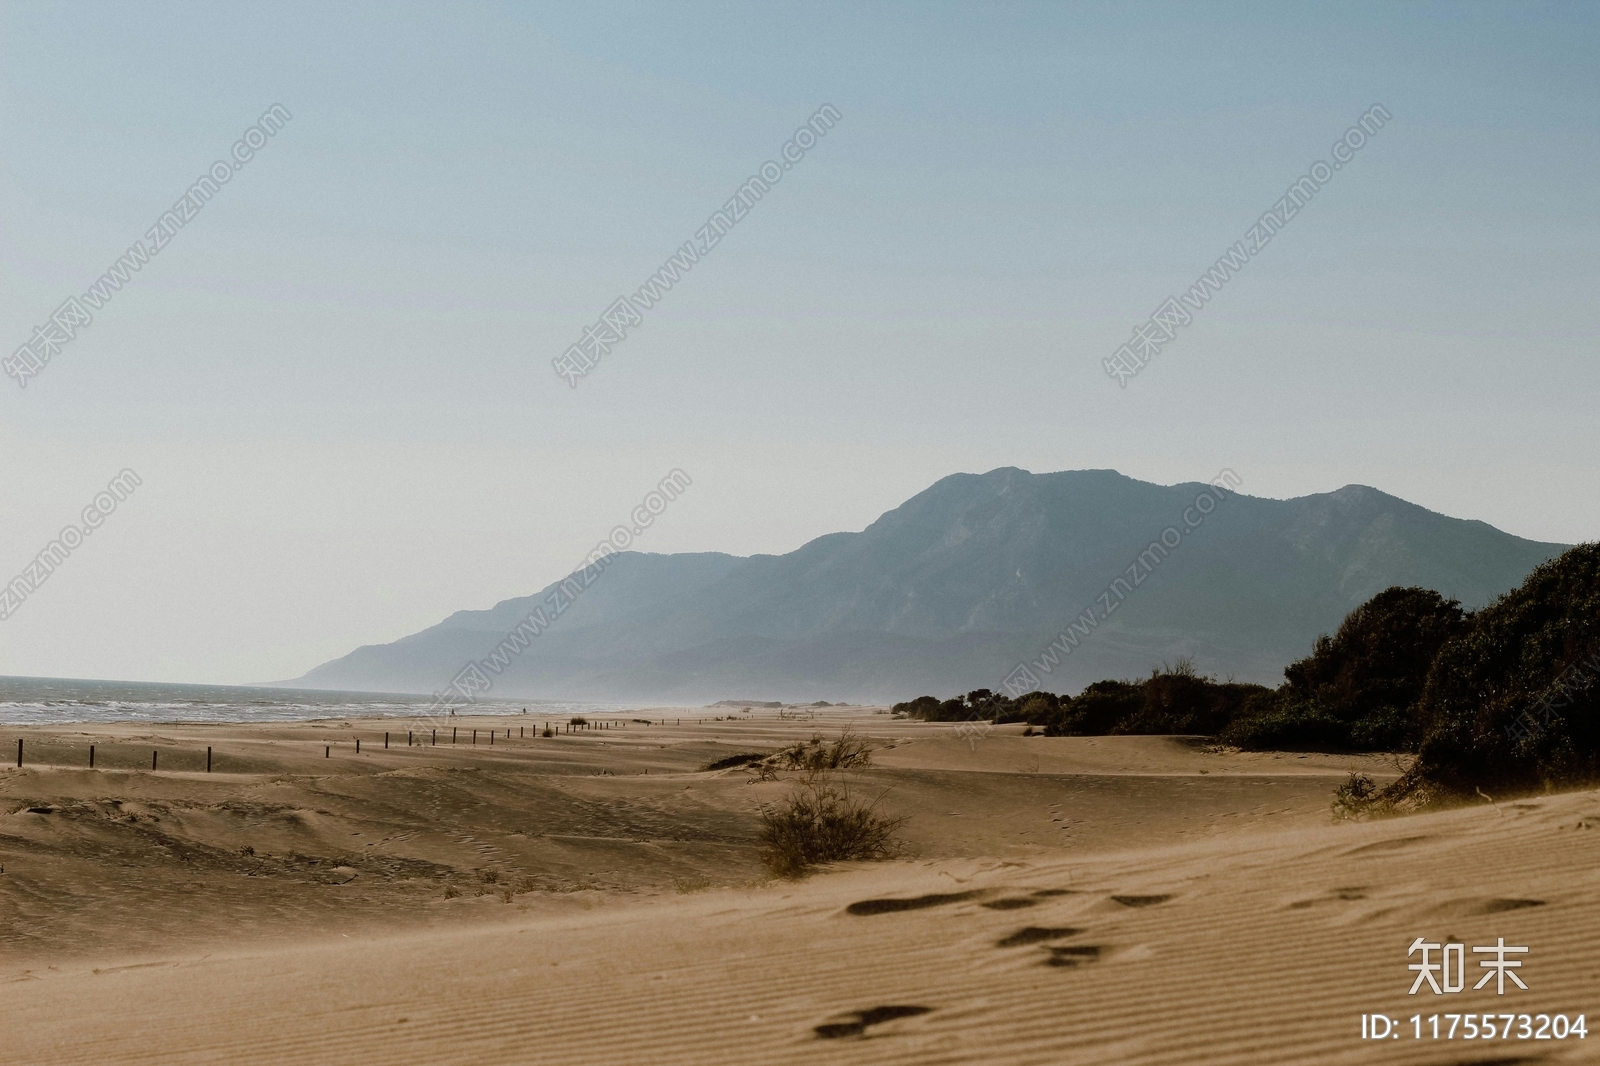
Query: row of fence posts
{"x": 155, "y": 757}
{"x": 327, "y": 750}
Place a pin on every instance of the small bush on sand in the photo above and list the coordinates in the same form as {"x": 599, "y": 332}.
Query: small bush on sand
{"x": 821, "y": 821}
{"x": 850, "y": 752}
{"x": 1355, "y": 799}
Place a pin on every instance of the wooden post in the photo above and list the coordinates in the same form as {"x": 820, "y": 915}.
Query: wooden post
{"x": 491, "y": 738}
{"x": 385, "y": 740}
{"x": 19, "y": 753}
{"x": 436, "y": 738}
{"x": 91, "y": 756}
{"x": 358, "y": 745}
{"x": 408, "y": 738}
{"x": 208, "y": 758}
{"x": 153, "y": 755}
{"x": 474, "y": 736}
{"x": 453, "y": 734}
{"x": 327, "y": 751}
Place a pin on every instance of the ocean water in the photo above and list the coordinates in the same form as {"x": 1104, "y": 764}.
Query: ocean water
{"x": 53, "y": 701}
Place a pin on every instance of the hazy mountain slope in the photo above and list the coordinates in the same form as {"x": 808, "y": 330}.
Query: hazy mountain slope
{"x": 955, "y": 586}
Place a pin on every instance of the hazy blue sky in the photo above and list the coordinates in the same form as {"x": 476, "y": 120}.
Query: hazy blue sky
{"x": 335, "y": 380}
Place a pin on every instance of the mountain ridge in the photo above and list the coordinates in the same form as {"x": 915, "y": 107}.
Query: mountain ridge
{"x": 956, "y": 585}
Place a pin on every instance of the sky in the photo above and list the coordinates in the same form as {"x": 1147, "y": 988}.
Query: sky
{"x": 334, "y": 381}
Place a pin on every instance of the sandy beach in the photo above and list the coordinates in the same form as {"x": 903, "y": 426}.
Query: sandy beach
{"x": 597, "y": 896}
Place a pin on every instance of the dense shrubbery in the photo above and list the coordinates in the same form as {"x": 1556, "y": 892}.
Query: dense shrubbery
{"x": 1175, "y": 700}
{"x": 1507, "y": 698}
{"x": 1514, "y": 703}
{"x": 981, "y": 704}
{"x": 1358, "y": 689}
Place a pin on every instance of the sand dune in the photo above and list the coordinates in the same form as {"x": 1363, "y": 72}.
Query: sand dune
{"x": 1097, "y": 900}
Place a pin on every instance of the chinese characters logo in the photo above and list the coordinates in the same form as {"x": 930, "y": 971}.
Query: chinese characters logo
{"x": 1451, "y": 968}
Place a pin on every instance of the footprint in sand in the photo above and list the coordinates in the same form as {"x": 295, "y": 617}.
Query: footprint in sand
{"x": 1386, "y": 845}
{"x": 1080, "y": 955}
{"x": 1495, "y": 906}
{"x": 1345, "y": 894}
{"x": 862, "y": 1019}
{"x": 914, "y": 903}
{"x": 1140, "y": 901}
{"x": 1011, "y": 903}
{"x": 1036, "y": 934}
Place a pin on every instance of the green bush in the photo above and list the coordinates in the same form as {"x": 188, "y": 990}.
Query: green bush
{"x": 1385, "y": 729}
{"x": 1358, "y": 690}
{"x": 1034, "y": 708}
{"x": 1514, "y": 704}
{"x": 1097, "y": 710}
{"x": 925, "y": 708}
{"x": 1289, "y": 726}
{"x": 1173, "y": 700}
{"x": 1372, "y": 671}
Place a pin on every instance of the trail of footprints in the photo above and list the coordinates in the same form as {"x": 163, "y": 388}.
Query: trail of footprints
{"x": 856, "y": 1023}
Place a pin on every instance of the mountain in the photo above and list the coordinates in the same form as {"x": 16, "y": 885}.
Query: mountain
{"x": 956, "y": 586}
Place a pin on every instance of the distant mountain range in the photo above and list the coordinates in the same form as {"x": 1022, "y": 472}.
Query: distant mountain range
{"x": 956, "y": 586}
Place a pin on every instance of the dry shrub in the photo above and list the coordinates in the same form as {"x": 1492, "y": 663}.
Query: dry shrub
{"x": 1357, "y": 799}
{"x": 850, "y": 752}
{"x": 821, "y": 821}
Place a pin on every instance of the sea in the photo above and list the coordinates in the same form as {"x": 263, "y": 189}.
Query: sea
{"x": 58, "y": 701}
